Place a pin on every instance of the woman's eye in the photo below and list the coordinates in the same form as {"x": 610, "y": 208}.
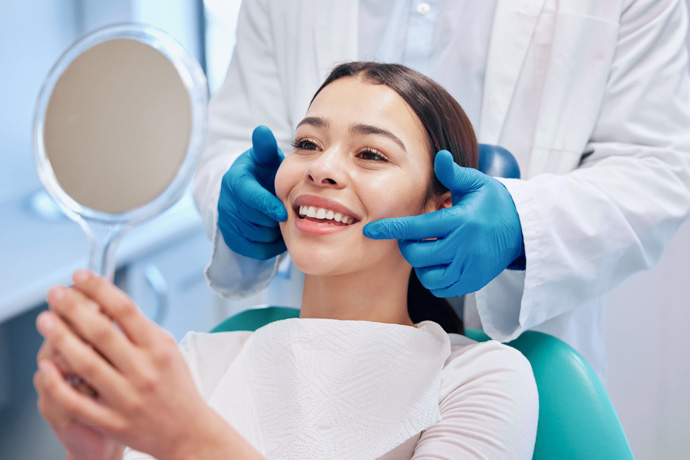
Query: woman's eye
{"x": 373, "y": 155}
{"x": 305, "y": 144}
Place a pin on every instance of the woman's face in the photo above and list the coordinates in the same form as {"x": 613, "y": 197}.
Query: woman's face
{"x": 359, "y": 155}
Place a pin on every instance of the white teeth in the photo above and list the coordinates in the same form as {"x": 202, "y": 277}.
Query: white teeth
{"x": 322, "y": 213}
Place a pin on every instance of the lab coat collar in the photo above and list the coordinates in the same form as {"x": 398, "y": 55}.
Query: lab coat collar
{"x": 512, "y": 32}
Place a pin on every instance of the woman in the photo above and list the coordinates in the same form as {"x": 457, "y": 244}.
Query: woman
{"x": 362, "y": 373}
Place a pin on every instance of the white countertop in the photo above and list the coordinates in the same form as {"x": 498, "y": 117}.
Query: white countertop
{"x": 37, "y": 253}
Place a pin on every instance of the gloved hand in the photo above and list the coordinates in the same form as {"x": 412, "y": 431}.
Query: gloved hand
{"x": 476, "y": 238}
{"x": 248, "y": 210}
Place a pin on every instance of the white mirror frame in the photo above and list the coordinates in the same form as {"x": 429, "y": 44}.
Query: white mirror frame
{"x": 102, "y": 228}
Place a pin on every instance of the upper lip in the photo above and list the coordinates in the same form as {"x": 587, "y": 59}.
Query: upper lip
{"x": 322, "y": 202}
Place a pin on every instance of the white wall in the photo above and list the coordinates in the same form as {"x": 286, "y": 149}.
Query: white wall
{"x": 33, "y": 35}
{"x": 648, "y": 317}
{"x": 649, "y": 356}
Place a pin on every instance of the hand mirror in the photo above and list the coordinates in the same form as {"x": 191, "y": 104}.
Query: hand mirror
{"x": 119, "y": 127}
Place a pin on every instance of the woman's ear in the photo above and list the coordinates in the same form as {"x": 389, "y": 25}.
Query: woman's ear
{"x": 445, "y": 201}
{"x": 438, "y": 202}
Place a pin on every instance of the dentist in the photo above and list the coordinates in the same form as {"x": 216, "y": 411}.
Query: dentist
{"x": 591, "y": 97}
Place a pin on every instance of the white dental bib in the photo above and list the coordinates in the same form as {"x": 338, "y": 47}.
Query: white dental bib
{"x": 320, "y": 388}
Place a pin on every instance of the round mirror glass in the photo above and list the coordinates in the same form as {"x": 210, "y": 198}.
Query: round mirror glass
{"x": 118, "y": 131}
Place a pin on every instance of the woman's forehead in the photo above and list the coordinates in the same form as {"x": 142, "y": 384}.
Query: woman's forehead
{"x": 350, "y": 99}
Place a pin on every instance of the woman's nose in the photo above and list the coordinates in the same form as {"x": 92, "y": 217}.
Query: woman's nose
{"x": 327, "y": 170}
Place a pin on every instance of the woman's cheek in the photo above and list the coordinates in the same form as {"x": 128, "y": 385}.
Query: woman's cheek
{"x": 284, "y": 180}
{"x": 403, "y": 204}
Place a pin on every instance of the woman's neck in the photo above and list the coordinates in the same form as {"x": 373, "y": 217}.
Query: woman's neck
{"x": 371, "y": 295}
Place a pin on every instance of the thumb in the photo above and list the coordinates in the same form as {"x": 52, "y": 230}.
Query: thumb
{"x": 265, "y": 149}
{"x": 454, "y": 177}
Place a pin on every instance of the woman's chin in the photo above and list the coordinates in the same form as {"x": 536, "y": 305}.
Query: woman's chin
{"x": 331, "y": 255}
{"x": 321, "y": 255}
{"x": 315, "y": 265}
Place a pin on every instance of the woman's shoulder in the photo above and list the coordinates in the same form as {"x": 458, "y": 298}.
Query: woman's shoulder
{"x": 489, "y": 364}
{"x": 488, "y": 401}
{"x": 492, "y": 362}
{"x": 487, "y": 354}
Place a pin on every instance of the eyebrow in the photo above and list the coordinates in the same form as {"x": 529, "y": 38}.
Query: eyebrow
{"x": 316, "y": 122}
{"x": 356, "y": 128}
{"x": 370, "y": 129}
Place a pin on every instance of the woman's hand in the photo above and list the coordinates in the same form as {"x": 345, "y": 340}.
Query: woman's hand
{"x": 146, "y": 397}
{"x": 80, "y": 441}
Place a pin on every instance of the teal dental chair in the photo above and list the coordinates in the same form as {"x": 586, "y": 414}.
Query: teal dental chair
{"x": 576, "y": 418}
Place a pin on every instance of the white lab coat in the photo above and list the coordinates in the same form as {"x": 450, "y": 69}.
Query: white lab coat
{"x": 590, "y": 96}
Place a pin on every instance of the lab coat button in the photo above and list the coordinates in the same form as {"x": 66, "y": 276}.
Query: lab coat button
{"x": 423, "y": 8}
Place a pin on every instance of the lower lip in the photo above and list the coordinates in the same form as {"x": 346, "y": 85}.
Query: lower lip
{"x": 318, "y": 228}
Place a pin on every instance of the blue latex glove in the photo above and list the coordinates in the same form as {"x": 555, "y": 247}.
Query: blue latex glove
{"x": 476, "y": 238}
{"x": 248, "y": 210}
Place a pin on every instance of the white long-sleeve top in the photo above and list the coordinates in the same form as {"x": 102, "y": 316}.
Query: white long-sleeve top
{"x": 328, "y": 389}
{"x": 591, "y": 97}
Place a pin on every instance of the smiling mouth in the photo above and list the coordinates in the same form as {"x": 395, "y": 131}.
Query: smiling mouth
{"x": 324, "y": 215}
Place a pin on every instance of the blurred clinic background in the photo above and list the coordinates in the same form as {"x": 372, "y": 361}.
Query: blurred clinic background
{"x": 160, "y": 264}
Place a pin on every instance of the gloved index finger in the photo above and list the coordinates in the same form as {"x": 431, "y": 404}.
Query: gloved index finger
{"x": 254, "y": 195}
{"x": 431, "y": 225}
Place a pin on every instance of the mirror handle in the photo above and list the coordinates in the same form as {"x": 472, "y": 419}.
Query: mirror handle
{"x": 103, "y": 239}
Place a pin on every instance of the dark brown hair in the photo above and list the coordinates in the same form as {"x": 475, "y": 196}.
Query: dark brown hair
{"x": 447, "y": 128}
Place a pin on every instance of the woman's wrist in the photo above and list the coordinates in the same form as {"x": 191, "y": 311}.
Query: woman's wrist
{"x": 213, "y": 439}
{"x": 115, "y": 453}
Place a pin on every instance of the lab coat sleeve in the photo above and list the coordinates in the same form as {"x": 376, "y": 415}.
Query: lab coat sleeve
{"x": 251, "y": 95}
{"x": 587, "y": 231}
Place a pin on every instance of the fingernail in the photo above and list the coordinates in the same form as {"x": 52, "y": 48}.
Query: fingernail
{"x": 45, "y": 322}
{"x": 56, "y": 293}
{"x": 81, "y": 276}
